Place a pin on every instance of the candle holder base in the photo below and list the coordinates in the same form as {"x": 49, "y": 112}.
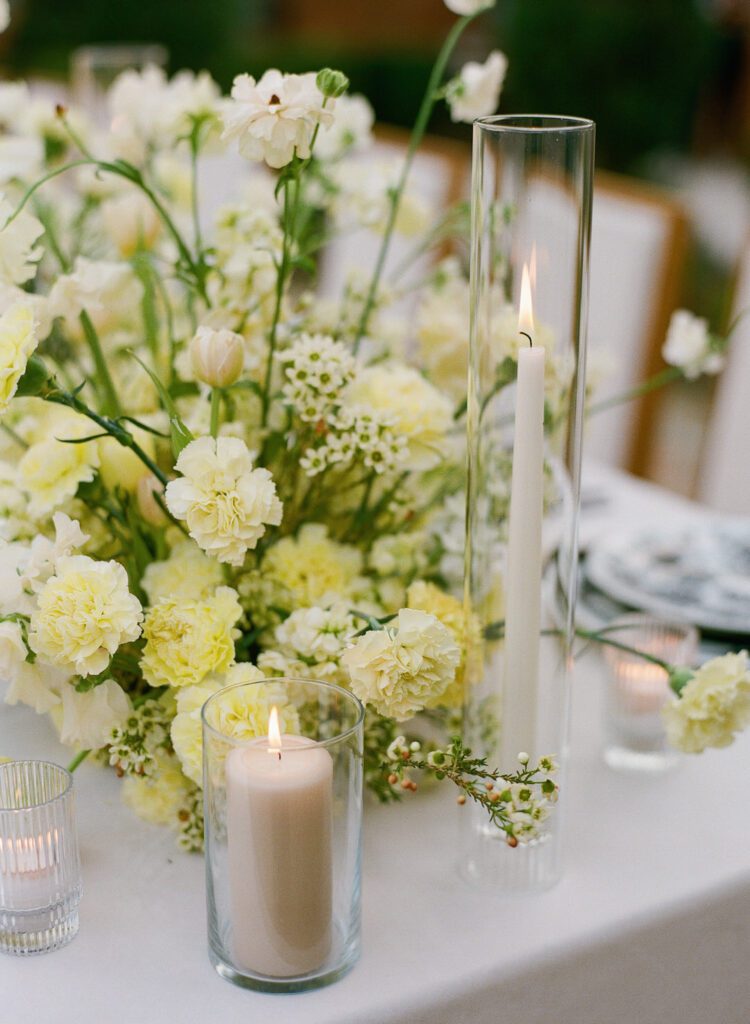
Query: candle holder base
{"x": 627, "y": 759}
{"x": 489, "y": 862}
{"x": 303, "y": 983}
{"x": 28, "y": 932}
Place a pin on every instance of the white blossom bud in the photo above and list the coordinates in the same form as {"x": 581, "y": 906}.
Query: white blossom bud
{"x": 523, "y": 757}
{"x": 415, "y": 746}
{"x": 217, "y": 356}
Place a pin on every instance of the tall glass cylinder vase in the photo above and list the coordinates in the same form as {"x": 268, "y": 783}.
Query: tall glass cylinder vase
{"x": 531, "y": 214}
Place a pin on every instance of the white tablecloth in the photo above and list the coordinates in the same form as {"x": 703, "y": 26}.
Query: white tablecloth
{"x": 651, "y": 923}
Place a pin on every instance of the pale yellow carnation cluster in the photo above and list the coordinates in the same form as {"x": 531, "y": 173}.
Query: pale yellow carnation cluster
{"x": 712, "y": 707}
{"x": 51, "y": 470}
{"x": 188, "y": 573}
{"x": 402, "y": 668}
{"x": 159, "y": 797}
{"x": 312, "y": 567}
{"x": 466, "y": 631}
{"x": 242, "y": 714}
{"x": 188, "y": 640}
{"x": 226, "y": 503}
{"x": 84, "y": 613}
{"x": 18, "y": 339}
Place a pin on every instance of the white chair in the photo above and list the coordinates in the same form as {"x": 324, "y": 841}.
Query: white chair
{"x": 439, "y": 176}
{"x": 724, "y": 475}
{"x": 638, "y": 245}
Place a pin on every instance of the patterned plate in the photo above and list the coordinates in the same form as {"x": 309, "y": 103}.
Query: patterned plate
{"x": 699, "y": 574}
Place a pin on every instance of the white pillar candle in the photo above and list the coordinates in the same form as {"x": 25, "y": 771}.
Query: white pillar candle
{"x": 279, "y": 823}
{"x": 524, "y": 566}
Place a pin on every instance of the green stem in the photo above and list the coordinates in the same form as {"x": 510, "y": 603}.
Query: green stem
{"x": 599, "y": 638}
{"x": 194, "y": 147}
{"x": 420, "y": 126}
{"x": 120, "y": 434}
{"x": 111, "y": 405}
{"x": 667, "y": 376}
{"x": 78, "y": 759}
{"x": 288, "y": 219}
{"x": 13, "y": 435}
{"x": 215, "y": 411}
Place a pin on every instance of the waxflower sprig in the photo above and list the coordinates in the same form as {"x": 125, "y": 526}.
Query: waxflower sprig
{"x": 517, "y": 803}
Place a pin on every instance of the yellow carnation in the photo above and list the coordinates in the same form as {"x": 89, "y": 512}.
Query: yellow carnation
{"x": 243, "y": 715}
{"x": 51, "y": 470}
{"x": 188, "y": 640}
{"x": 450, "y": 611}
{"x": 18, "y": 339}
{"x": 419, "y": 411}
{"x": 712, "y": 707}
{"x": 159, "y": 797}
{"x": 120, "y": 466}
{"x": 401, "y": 669}
{"x": 311, "y": 566}
{"x": 84, "y": 612}
{"x": 187, "y": 573}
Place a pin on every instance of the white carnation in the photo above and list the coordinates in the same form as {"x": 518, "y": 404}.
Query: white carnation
{"x": 89, "y": 718}
{"x": 689, "y": 345}
{"x": 18, "y": 254}
{"x": 109, "y": 292}
{"x": 226, "y": 503}
{"x": 402, "y": 668}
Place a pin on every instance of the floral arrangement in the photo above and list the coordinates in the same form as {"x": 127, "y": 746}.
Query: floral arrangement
{"x": 209, "y": 474}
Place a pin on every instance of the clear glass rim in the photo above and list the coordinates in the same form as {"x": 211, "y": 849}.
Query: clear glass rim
{"x": 66, "y": 777}
{"x": 522, "y": 123}
{"x": 332, "y": 741}
{"x": 685, "y": 632}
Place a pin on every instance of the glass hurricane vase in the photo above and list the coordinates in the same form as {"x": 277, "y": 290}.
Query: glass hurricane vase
{"x": 531, "y": 212}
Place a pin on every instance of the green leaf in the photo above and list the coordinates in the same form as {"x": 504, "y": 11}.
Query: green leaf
{"x": 179, "y": 433}
{"x": 87, "y": 683}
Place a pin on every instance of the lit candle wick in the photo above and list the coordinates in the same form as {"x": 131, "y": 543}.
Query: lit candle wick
{"x": 274, "y": 733}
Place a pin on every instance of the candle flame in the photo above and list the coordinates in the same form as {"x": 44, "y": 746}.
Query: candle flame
{"x": 526, "y": 306}
{"x": 274, "y": 733}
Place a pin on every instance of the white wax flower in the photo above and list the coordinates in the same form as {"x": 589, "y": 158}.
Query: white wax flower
{"x": 217, "y": 356}
{"x": 688, "y": 345}
{"x": 476, "y": 91}
{"x": 275, "y": 118}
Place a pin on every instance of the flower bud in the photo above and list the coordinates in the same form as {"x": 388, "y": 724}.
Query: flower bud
{"x": 332, "y": 83}
{"x": 679, "y": 678}
{"x": 148, "y": 506}
{"x": 523, "y": 757}
{"x": 217, "y": 356}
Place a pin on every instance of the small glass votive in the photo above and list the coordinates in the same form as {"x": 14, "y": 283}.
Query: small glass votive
{"x": 40, "y": 875}
{"x": 283, "y": 816}
{"x": 637, "y": 690}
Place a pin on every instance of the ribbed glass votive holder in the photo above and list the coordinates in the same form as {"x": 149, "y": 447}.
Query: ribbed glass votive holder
{"x": 40, "y": 877}
{"x": 637, "y": 690}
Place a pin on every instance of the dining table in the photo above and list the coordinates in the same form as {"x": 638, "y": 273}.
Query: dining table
{"x": 650, "y": 922}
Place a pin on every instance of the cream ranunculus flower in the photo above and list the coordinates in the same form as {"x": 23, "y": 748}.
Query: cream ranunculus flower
{"x": 420, "y": 412}
{"x": 84, "y": 612}
{"x": 712, "y": 706}
{"x": 312, "y": 567}
{"x": 18, "y": 255}
{"x": 275, "y": 118}
{"x": 89, "y": 718}
{"x": 188, "y": 640}
{"x": 475, "y": 92}
{"x": 18, "y": 339}
{"x": 226, "y": 503}
{"x": 188, "y": 575}
{"x": 243, "y": 715}
{"x": 51, "y": 470}
{"x": 402, "y": 668}
{"x": 689, "y": 345}
{"x": 463, "y": 7}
